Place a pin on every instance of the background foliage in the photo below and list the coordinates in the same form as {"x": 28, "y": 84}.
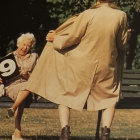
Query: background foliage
{"x": 39, "y": 16}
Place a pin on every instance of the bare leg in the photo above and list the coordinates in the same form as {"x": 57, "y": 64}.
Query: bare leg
{"x": 108, "y": 115}
{"x": 64, "y": 115}
{"x": 20, "y": 98}
{"x": 18, "y": 116}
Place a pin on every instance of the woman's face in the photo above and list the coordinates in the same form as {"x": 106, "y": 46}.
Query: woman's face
{"x": 24, "y": 47}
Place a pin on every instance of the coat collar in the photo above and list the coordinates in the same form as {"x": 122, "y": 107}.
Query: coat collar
{"x": 104, "y": 4}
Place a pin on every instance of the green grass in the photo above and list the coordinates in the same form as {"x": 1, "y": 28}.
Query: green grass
{"x": 43, "y": 124}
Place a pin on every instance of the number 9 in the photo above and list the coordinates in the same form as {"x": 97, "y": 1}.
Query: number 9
{"x": 7, "y": 67}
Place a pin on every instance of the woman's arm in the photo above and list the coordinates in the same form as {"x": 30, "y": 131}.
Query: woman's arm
{"x": 1, "y": 81}
{"x": 72, "y": 35}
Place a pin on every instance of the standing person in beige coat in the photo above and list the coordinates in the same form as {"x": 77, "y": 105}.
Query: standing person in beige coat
{"x": 100, "y": 34}
{"x": 82, "y": 62}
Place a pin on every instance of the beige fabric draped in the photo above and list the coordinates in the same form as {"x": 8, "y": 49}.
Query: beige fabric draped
{"x": 83, "y": 62}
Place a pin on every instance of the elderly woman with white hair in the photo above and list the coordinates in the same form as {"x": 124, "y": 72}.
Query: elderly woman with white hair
{"x": 26, "y": 62}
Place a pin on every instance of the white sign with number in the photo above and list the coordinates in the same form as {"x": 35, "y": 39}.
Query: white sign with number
{"x": 8, "y": 67}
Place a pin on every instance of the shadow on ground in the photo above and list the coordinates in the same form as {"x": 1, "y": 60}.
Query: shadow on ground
{"x": 57, "y": 138}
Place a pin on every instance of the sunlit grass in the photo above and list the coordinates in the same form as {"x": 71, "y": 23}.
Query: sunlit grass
{"x": 44, "y": 124}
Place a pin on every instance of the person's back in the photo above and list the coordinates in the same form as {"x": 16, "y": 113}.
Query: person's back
{"x": 100, "y": 38}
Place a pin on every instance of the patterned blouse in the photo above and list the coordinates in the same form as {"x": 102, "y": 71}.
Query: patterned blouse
{"x": 18, "y": 83}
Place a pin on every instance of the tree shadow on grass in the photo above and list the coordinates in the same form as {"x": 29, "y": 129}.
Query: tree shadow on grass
{"x": 57, "y": 138}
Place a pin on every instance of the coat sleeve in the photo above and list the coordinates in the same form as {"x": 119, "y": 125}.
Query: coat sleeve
{"x": 73, "y": 34}
{"x": 122, "y": 33}
{"x": 121, "y": 45}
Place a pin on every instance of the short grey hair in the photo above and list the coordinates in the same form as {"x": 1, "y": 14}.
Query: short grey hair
{"x": 29, "y": 36}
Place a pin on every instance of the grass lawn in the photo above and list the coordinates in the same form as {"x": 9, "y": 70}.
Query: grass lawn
{"x": 43, "y": 124}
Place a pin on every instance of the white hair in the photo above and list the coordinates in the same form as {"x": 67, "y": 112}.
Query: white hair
{"x": 29, "y": 36}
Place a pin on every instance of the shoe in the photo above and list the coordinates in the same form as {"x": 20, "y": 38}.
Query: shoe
{"x": 105, "y": 133}
{"x": 11, "y": 112}
{"x": 14, "y": 138}
{"x": 65, "y": 133}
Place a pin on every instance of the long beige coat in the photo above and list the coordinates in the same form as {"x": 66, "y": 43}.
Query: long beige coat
{"x": 83, "y": 62}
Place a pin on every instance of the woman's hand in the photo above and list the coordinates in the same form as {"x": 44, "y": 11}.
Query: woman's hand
{"x": 1, "y": 81}
{"x": 50, "y": 36}
{"x": 129, "y": 32}
{"x": 24, "y": 73}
